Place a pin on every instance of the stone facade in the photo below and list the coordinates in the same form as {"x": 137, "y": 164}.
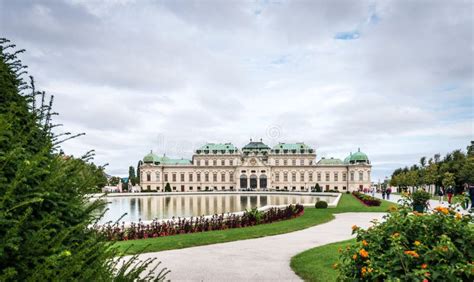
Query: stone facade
{"x": 257, "y": 167}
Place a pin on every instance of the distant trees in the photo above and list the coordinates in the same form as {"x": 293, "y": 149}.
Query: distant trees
{"x": 131, "y": 176}
{"x": 114, "y": 180}
{"x": 455, "y": 169}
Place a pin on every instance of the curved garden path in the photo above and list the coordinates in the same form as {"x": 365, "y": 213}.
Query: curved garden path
{"x": 260, "y": 259}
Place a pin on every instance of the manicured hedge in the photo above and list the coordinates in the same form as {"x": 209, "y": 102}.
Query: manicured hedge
{"x": 366, "y": 199}
{"x": 116, "y": 232}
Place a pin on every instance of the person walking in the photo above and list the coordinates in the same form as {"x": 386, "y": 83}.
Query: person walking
{"x": 383, "y": 193}
{"x": 450, "y": 192}
{"x": 441, "y": 195}
{"x": 389, "y": 191}
{"x": 471, "y": 195}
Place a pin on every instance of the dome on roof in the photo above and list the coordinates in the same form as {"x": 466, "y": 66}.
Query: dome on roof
{"x": 331, "y": 161}
{"x": 357, "y": 157}
{"x": 151, "y": 158}
{"x": 256, "y": 146}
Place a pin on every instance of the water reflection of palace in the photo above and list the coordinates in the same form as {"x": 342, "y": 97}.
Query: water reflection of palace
{"x": 150, "y": 207}
{"x": 257, "y": 166}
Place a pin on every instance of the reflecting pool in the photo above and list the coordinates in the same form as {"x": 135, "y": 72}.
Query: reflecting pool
{"x": 163, "y": 206}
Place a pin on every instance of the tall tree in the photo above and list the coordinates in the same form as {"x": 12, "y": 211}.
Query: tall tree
{"x": 45, "y": 214}
{"x": 131, "y": 176}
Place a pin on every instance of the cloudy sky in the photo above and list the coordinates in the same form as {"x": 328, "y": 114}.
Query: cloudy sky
{"x": 394, "y": 78}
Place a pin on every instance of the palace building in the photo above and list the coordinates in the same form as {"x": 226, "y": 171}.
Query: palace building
{"x": 224, "y": 167}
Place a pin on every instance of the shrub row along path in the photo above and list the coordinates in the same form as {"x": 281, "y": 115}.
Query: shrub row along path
{"x": 266, "y": 258}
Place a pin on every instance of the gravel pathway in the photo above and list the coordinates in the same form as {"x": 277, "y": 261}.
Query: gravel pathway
{"x": 262, "y": 259}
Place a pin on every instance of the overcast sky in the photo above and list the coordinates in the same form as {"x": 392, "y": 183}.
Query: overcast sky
{"x": 394, "y": 78}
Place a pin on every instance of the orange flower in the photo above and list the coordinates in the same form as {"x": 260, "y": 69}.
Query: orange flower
{"x": 370, "y": 270}
{"x": 354, "y": 257}
{"x": 458, "y": 216}
{"x": 363, "y": 270}
{"x": 396, "y": 234}
{"x": 417, "y": 243}
{"x": 412, "y": 253}
{"x": 424, "y": 266}
{"x": 365, "y": 243}
{"x": 444, "y": 248}
{"x": 442, "y": 209}
{"x": 363, "y": 253}
{"x": 355, "y": 227}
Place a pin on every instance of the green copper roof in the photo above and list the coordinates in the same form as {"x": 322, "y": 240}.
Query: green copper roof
{"x": 331, "y": 161}
{"x": 291, "y": 146}
{"x": 151, "y": 158}
{"x": 217, "y": 148}
{"x": 357, "y": 157}
{"x": 255, "y": 146}
{"x": 164, "y": 160}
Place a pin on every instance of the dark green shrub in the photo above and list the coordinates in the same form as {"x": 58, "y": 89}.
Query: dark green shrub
{"x": 318, "y": 188}
{"x": 167, "y": 187}
{"x": 45, "y": 212}
{"x": 321, "y": 205}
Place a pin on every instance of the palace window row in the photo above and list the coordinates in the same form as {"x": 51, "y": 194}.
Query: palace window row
{"x": 215, "y": 162}
{"x": 293, "y": 162}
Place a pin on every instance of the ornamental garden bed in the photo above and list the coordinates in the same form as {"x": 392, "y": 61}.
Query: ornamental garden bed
{"x": 366, "y": 199}
{"x": 140, "y": 230}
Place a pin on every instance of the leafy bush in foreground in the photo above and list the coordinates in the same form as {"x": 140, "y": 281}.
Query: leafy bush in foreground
{"x": 44, "y": 211}
{"x": 366, "y": 199}
{"x": 435, "y": 246}
{"x": 139, "y": 230}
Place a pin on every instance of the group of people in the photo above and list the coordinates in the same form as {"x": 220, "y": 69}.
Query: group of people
{"x": 468, "y": 191}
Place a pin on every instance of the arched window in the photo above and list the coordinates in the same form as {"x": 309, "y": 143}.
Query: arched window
{"x": 157, "y": 176}
{"x": 263, "y": 181}
{"x": 361, "y": 175}
{"x": 253, "y": 181}
{"x": 148, "y": 176}
{"x": 243, "y": 181}
{"x": 293, "y": 176}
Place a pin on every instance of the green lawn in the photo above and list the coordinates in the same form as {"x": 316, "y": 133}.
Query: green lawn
{"x": 317, "y": 264}
{"x": 310, "y": 218}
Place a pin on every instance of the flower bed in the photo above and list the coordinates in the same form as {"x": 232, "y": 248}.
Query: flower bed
{"x": 366, "y": 199}
{"x": 139, "y": 230}
{"x": 433, "y": 246}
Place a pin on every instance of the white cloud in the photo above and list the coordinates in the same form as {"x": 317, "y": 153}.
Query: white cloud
{"x": 140, "y": 75}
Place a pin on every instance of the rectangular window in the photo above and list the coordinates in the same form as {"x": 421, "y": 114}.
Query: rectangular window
{"x": 277, "y": 162}
{"x": 148, "y": 187}
{"x": 327, "y": 176}
{"x": 182, "y": 177}
{"x": 166, "y": 177}
{"x": 285, "y": 162}
{"x": 302, "y": 176}
{"x": 231, "y": 177}
{"x": 214, "y": 177}
{"x": 214, "y": 162}
{"x": 190, "y": 176}
{"x": 206, "y": 177}
{"x": 285, "y": 176}
{"x": 361, "y": 176}
{"x": 223, "y": 177}
{"x": 174, "y": 177}
{"x": 293, "y": 162}
{"x": 352, "y": 176}
{"x": 302, "y": 162}
{"x": 148, "y": 177}
{"x": 310, "y": 176}
{"x": 344, "y": 176}
{"x": 231, "y": 162}
{"x": 174, "y": 188}
{"x": 206, "y": 162}
{"x": 222, "y": 162}
{"x": 336, "y": 176}
{"x": 157, "y": 176}
{"x": 293, "y": 176}
{"x": 198, "y": 176}
{"x": 319, "y": 176}
{"x": 277, "y": 176}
